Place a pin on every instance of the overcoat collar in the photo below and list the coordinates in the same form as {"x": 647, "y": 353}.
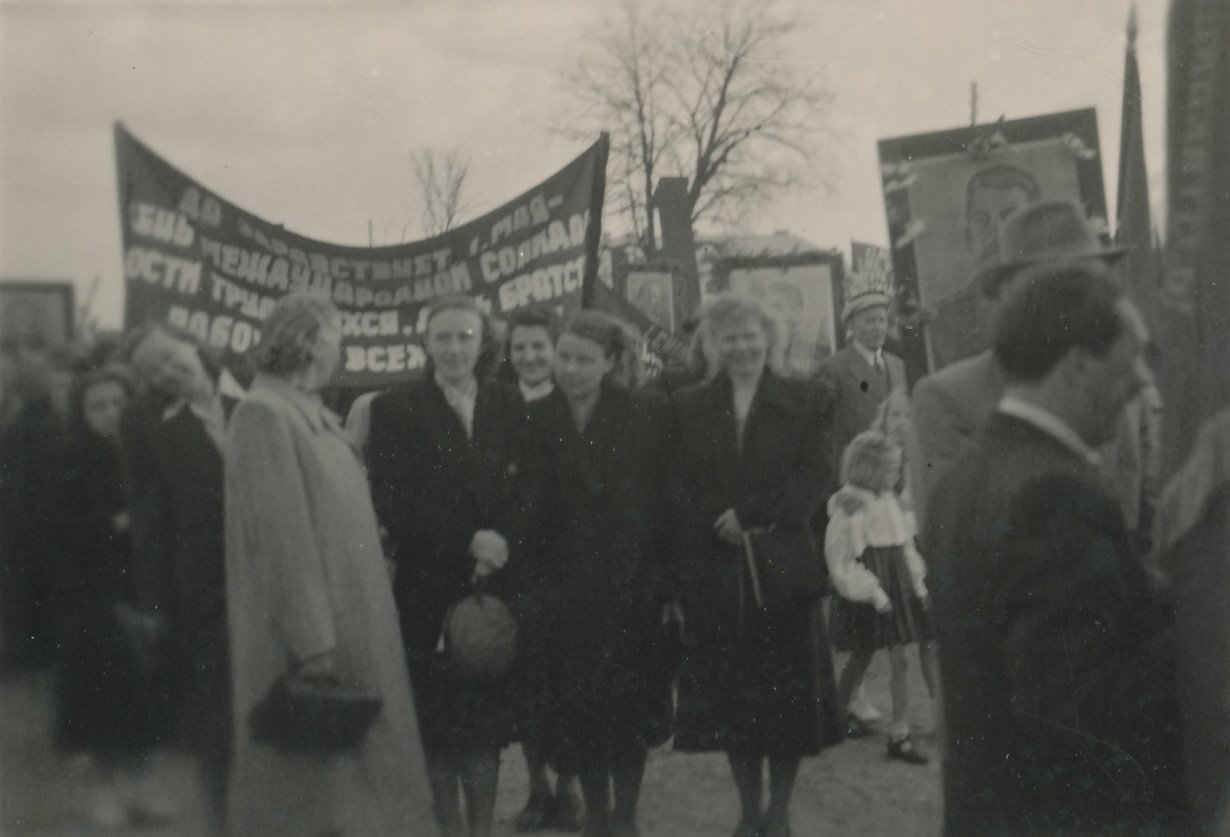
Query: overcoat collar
{"x": 597, "y": 438}
{"x": 772, "y": 390}
{"x": 772, "y": 396}
{"x": 318, "y": 416}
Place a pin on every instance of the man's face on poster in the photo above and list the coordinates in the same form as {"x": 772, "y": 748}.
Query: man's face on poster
{"x": 994, "y": 194}
{"x": 987, "y": 210}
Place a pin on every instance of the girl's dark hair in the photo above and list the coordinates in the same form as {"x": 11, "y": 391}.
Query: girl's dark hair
{"x": 543, "y": 318}
{"x": 112, "y": 373}
{"x": 617, "y": 339}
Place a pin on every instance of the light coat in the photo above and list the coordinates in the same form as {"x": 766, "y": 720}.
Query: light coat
{"x": 305, "y": 574}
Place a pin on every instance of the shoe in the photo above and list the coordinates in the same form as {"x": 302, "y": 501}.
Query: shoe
{"x": 625, "y": 829}
{"x": 856, "y": 728}
{"x": 597, "y": 828}
{"x": 775, "y": 828}
{"x": 747, "y": 828}
{"x": 566, "y": 813}
{"x": 903, "y": 750}
{"x": 537, "y": 814}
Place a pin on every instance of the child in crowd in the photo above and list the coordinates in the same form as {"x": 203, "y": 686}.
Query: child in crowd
{"x": 878, "y": 575}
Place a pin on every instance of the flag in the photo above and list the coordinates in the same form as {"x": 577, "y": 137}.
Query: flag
{"x": 1194, "y": 323}
{"x": 1194, "y": 334}
{"x": 1133, "y": 226}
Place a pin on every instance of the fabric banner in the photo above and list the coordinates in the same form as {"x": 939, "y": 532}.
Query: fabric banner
{"x": 196, "y": 260}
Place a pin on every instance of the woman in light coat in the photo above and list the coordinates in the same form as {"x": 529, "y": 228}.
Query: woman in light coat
{"x": 308, "y": 592}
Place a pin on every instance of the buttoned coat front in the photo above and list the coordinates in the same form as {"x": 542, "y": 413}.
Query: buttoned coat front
{"x": 434, "y": 488}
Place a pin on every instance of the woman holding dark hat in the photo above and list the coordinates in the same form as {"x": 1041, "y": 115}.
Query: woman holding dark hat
{"x": 756, "y": 679}
{"x": 597, "y": 449}
{"x": 443, "y": 460}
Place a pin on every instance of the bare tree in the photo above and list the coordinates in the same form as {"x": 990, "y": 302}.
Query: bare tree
{"x": 623, "y": 88}
{"x": 441, "y": 178}
{"x": 707, "y": 96}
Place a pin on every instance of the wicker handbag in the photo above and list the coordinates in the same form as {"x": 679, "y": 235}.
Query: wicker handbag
{"x": 317, "y": 715}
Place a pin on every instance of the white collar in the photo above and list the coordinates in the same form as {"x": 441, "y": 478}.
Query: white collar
{"x": 207, "y": 411}
{"x": 534, "y": 393}
{"x": 868, "y": 355}
{"x": 1048, "y": 423}
{"x": 467, "y": 393}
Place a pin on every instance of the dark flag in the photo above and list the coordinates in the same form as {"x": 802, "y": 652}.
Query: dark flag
{"x": 1133, "y": 225}
{"x": 1193, "y": 522}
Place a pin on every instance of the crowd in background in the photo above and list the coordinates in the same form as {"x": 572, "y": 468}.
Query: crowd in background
{"x": 680, "y": 556}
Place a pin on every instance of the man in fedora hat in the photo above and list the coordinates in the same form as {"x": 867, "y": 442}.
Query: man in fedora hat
{"x": 951, "y": 405}
{"x": 1059, "y": 685}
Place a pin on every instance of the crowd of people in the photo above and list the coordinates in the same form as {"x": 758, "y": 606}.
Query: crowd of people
{"x": 677, "y": 557}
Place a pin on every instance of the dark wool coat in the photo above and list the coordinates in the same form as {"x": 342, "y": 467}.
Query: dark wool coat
{"x": 433, "y": 489}
{"x": 852, "y": 393}
{"x": 601, "y": 520}
{"x": 182, "y": 517}
{"x": 764, "y": 683}
{"x": 1055, "y": 653}
{"x": 102, "y": 702}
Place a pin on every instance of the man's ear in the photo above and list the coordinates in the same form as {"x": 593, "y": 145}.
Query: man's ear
{"x": 1077, "y": 367}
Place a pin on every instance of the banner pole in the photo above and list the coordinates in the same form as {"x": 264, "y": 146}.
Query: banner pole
{"x": 593, "y": 232}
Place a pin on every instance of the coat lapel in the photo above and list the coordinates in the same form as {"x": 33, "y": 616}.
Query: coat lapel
{"x": 771, "y": 403}
{"x": 459, "y": 451}
{"x": 723, "y": 432}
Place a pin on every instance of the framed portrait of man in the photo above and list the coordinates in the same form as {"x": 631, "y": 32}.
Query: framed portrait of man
{"x": 652, "y": 292}
{"x": 805, "y": 290}
{"x": 946, "y": 195}
{"x": 36, "y": 314}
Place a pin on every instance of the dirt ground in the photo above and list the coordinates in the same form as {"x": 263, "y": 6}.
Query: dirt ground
{"x": 852, "y": 789}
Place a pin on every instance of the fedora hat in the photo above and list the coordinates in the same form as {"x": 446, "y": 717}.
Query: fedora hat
{"x": 1044, "y": 231}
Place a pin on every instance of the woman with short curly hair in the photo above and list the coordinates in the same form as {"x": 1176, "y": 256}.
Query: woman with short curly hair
{"x": 308, "y": 595}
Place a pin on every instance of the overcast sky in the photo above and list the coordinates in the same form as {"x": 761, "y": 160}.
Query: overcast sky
{"x": 305, "y": 113}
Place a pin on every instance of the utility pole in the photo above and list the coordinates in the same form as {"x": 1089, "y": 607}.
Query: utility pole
{"x": 973, "y": 103}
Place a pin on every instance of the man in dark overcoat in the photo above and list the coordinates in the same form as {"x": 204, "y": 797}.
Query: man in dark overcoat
{"x": 1055, "y": 650}
{"x": 950, "y": 406}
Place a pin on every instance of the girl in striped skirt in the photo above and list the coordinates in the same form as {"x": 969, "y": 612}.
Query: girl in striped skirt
{"x": 879, "y": 576}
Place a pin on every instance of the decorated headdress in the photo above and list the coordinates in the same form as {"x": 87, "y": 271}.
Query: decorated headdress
{"x": 866, "y": 289}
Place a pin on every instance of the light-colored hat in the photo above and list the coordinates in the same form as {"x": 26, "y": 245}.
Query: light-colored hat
{"x": 866, "y": 290}
{"x": 1042, "y": 232}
